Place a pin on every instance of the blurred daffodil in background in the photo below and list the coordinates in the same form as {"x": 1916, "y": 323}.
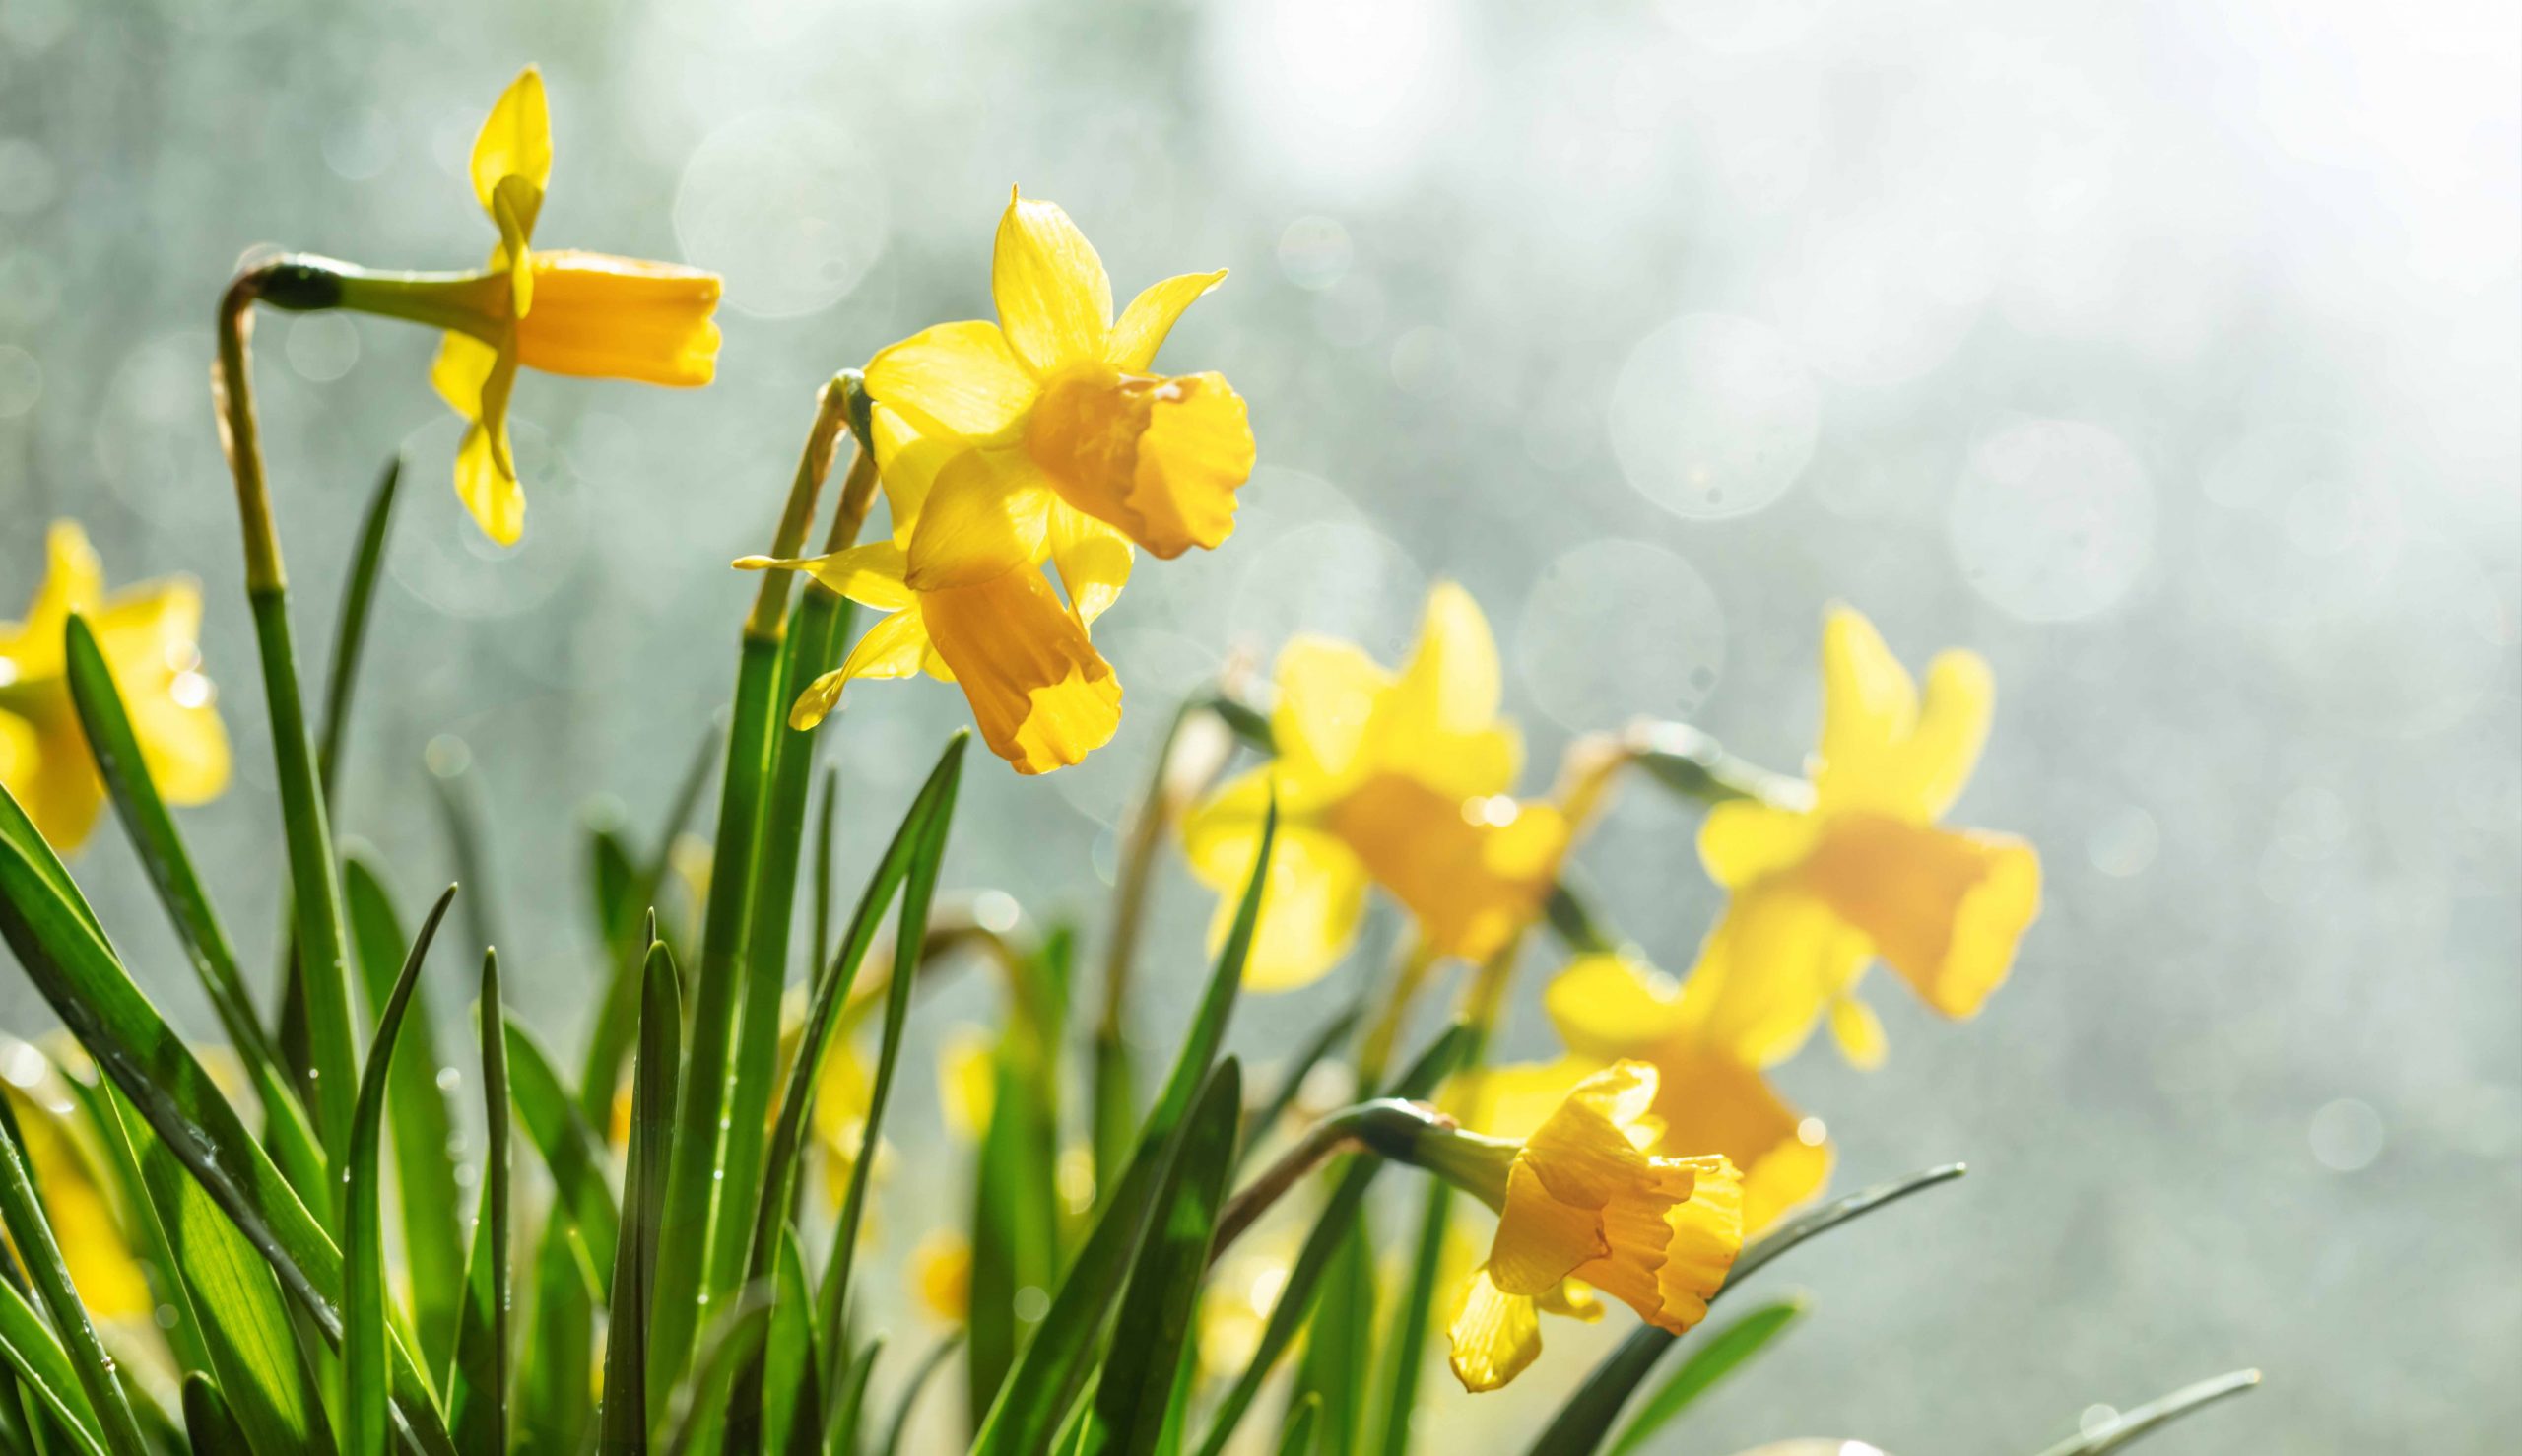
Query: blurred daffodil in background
{"x": 1399, "y": 779}
{"x": 149, "y": 636}
{"x": 563, "y": 313}
{"x": 1039, "y": 438}
{"x": 1581, "y": 1199}
{"x": 1819, "y": 889}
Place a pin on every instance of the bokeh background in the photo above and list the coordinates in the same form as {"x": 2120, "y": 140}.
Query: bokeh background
{"x": 2165, "y": 352}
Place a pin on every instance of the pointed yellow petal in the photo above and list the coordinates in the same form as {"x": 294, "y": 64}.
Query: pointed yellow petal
{"x": 1540, "y": 1237}
{"x": 74, "y": 580}
{"x": 1953, "y": 726}
{"x": 488, "y": 489}
{"x": 1327, "y": 696}
{"x": 515, "y": 139}
{"x": 1609, "y": 1006}
{"x": 1776, "y": 960}
{"x": 908, "y": 462}
{"x": 1858, "y": 1031}
{"x": 956, "y": 379}
{"x": 1474, "y": 873}
{"x": 1042, "y": 696}
{"x": 149, "y": 636}
{"x": 1869, "y": 707}
{"x": 1149, "y": 317}
{"x": 988, "y": 516}
{"x": 870, "y": 574}
{"x": 1091, "y": 557}
{"x": 893, "y": 648}
{"x": 19, "y": 754}
{"x": 1495, "y": 1335}
{"x": 1312, "y": 903}
{"x": 1742, "y": 839}
{"x": 1054, "y": 299}
{"x": 1514, "y": 1101}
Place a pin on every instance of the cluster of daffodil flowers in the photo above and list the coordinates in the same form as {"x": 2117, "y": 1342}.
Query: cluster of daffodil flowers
{"x": 1024, "y": 463}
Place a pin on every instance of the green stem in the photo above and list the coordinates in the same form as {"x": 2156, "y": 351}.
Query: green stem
{"x": 315, "y": 883}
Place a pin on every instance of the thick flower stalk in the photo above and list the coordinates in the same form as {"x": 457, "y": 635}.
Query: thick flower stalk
{"x": 149, "y": 636}
{"x": 1819, "y": 889}
{"x": 1402, "y": 780}
{"x": 1582, "y": 1206}
{"x": 1039, "y": 438}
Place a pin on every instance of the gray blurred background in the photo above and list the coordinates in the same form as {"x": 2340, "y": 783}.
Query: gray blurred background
{"x": 2165, "y": 352}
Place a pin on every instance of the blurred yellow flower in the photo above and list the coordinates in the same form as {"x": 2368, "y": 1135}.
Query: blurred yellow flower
{"x": 1861, "y": 870}
{"x": 1402, "y": 780}
{"x": 1580, "y": 1199}
{"x": 1042, "y": 696}
{"x": 1610, "y": 1008}
{"x": 566, "y": 313}
{"x": 77, "y": 1200}
{"x": 150, "y": 637}
{"x": 940, "y": 1268}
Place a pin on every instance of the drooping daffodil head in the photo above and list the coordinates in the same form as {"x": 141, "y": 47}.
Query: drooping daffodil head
{"x": 1399, "y": 779}
{"x": 562, "y": 313}
{"x": 1863, "y": 870}
{"x": 1581, "y": 1199}
{"x": 149, "y": 636}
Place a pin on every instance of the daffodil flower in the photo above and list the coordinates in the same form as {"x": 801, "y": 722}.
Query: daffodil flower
{"x": 1042, "y": 696}
{"x": 78, "y": 1200}
{"x": 1044, "y": 434}
{"x": 1610, "y": 1008}
{"x": 1400, "y": 780}
{"x": 563, "y": 313}
{"x": 1864, "y": 870}
{"x": 150, "y": 637}
{"x": 1580, "y": 1200}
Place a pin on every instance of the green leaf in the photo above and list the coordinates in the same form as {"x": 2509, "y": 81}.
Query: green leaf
{"x": 2148, "y": 1418}
{"x": 1135, "y": 1396}
{"x": 1586, "y": 1417}
{"x": 568, "y": 1148}
{"x": 849, "y": 1408}
{"x": 31, "y": 1236}
{"x": 1712, "y": 1359}
{"x": 478, "y": 1380}
{"x": 1016, "y": 1213}
{"x": 423, "y": 1131}
{"x": 731, "y": 1349}
{"x": 693, "y": 1184}
{"x": 1046, "y": 1376}
{"x": 460, "y": 811}
{"x": 908, "y": 1402}
{"x": 1297, "y": 1437}
{"x": 44, "y": 1372}
{"x": 365, "y": 1320}
{"x": 555, "y": 1365}
{"x": 208, "y": 1427}
{"x": 1339, "y": 1360}
{"x": 626, "y": 1423}
{"x": 791, "y": 1368}
{"x": 1305, "y": 1277}
{"x": 52, "y": 931}
{"x": 350, "y": 633}
{"x": 617, "y": 1022}
{"x": 125, "y": 773}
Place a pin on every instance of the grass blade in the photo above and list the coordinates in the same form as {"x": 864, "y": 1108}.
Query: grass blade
{"x": 1016, "y": 1211}
{"x": 1046, "y": 1376}
{"x": 1297, "y": 1439}
{"x": 706, "y": 1407}
{"x": 1587, "y": 1418}
{"x": 626, "y": 1423}
{"x": 908, "y": 1402}
{"x": 350, "y": 632}
{"x": 365, "y": 1321}
{"x": 208, "y": 1429}
{"x": 1716, "y": 1356}
{"x": 477, "y": 1381}
{"x": 1134, "y": 1399}
{"x": 617, "y": 1022}
{"x": 555, "y": 1384}
{"x": 1406, "y": 1355}
{"x": 2148, "y": 1418}
{"x": 791, "y": 1367}
{"x": 570, "y": 1148}
{"x": 416, "y": 1110}
{"x": 44, "y": 1371}
{"x": 31, "y": 1236}
{"x": 1296, "y": 1301}
{"x": 52, "y": 931}
{"x": 849, "y": 1410}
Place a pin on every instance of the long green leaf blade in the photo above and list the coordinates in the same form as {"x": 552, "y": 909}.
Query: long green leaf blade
{"x": 568, "y": 1148}
{"x": 617, "y": 1024}
{"x": 44, "y": 1372}
{"x": 477, "y": 1382}
{"x": 208, "y": 1429}
{"x": 31, "y": 1234}
{"x": 791, "y": 1367}
{"x": 364, "y": 1319}
{"x": 624, "y": 1417}
{"x": 1717, "y": 1356}
{"x": 1135, "y": 1396}
{"x": 1038, "y": 1390}
{"x": 906, "y": 1403}
{"x": 2148, "y": 1418}
{"x": 350, "y": 631}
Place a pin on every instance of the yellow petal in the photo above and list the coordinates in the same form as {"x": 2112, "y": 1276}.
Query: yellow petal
{"x": 1041, "y": 694}
{"x": 1858, "y": 1031}
{"x": 1609, "y": 1006}
{"x": 1473, "y": 874}
{"x": 1946, "y": 907}
{"x": 149, "y": 636}
{"x": 1584, "y": 1152}
{"x": 1708, "y": 1102}
{"x": 1868, "y": 702}
{"x": 1953, "y": 726}
{"x": 1091, "y": 557}
{"x": 908, "y": 462}
{"x": 19, "y": 754}
{"x": 74, "y": 580}
{"x": 1540, "y": 1237}
{"x": 942, "y": 1272}
{"x": 1495, "y": 1335}
{"x": 1327, "y": 697}
{"x": 1777, "y": 958}
{"x": 65, "y": 794}
{"x": 1054, "y": 298}
{"x": 1311, "y": 903}
{"x": 599, "y": 316}
{"x": 1742, "y": 839}
{"x": 513, "y": 208}
{"x": 893, "y": 648}
{"x": 1151, "y": 316}
{"x": 462, "y": 370}
{"x": 988, "y": 516}
{"x": 870, "y": 574}
{"x": 1159, "y": 459}
{"x": 81, "y": 1211}
{"x": 1513, "y": 1101}
{"x": 957, "y": 379}
{"x": 515, "y": 139}
{"x": 967, "y": 1079}
{"x": 1440, "y": 722}
{"x": 485, "y": 486}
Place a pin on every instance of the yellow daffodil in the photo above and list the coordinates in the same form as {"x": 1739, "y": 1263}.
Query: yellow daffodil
{"x": 563, "y": 313}
{"x": 1400, "y": 780}
{"x": 1042, "y": 696}
{"x": 941, "y": 1273}
{"x": 1610, "y": 1008}
{"x": 76, "y": 1201}
{"x": 1582, "y": 1200}
{"x": 149, "y": 634}
{"x": 1819, "y": 889}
